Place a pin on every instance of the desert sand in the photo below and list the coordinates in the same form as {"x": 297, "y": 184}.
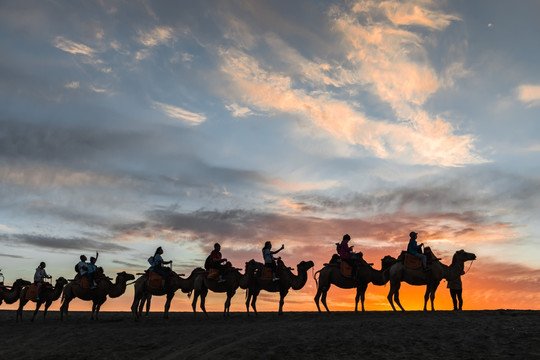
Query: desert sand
{"x": 497, "y": 334}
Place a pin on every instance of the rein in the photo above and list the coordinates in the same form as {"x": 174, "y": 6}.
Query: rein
{"x": 469, "y": 266}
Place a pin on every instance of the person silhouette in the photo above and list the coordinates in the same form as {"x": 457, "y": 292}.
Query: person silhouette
{"x": 215, "y": 261}
{"x": 415, "y": 249}
{"x": 269, "y": 260}
{"x": 39, "y": 277}
{"x": 456, "y": 290}
{"x": 157, "y": 262}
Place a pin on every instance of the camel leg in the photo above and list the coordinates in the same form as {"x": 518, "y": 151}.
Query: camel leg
{"x": 64, "y": 308}
{"x": 317, "y": 298}
{"x": 140, "y": 306}
{"x": 360, "y": 295}
{"x": 390, "y": 296}
{"x": 323, "y": 298}
{"x": 356, "y": 298}
{"x": 148, "y": 301}
{"x": 396, "y": 297}
{"x": 98, "y": 307}
{"x": 426, "y": 296}
{"x": 22, "y": 302}
{"x": 168, "y": 305}
{"x": 204, "y": 292}
{"x": 432, "y": 296}
{"x": 227, "y": 305}
{"x": 38, "y": 305}
{"x": 282, "y": 295}
{"x": 393, "y": 295}
{"x": 248, "y": 299}
{"x": 194, "y": 302}
{"x": 363, "y": 295}
{"x": 254, "y": 302}
{"x": 230, "y": 295}
{"x": 93, "y": 310}
{"x": 47, "y": 305}
{"x": 135, "y": 306}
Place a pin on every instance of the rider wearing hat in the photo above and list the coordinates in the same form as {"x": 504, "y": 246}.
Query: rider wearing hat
{"x": 416, "y": 249}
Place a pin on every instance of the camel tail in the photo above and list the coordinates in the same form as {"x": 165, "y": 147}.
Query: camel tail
{"x": 315, "y": 278}
{"x": 189, "y": 294}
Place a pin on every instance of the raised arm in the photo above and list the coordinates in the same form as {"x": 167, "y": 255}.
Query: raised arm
{"x": 278, "y": 250}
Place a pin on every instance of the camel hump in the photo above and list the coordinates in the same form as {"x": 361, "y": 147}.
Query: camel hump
{"x": 430, "y": 255}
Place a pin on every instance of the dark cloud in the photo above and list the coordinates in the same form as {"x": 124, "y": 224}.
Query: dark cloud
{"x": 55, "y": 243}
{"x": 253, "y": 227}
{"x": 129, "y": 264}
{"x": 12, "y": 256}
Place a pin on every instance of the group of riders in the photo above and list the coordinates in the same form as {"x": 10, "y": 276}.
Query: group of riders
{"x": 89, "y": 272}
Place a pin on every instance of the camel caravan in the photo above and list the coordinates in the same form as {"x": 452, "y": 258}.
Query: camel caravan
{"x": 346, "y": 269}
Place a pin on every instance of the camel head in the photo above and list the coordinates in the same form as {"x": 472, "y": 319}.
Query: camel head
{"x": 61, "y": 281}
{"x": 21, "y": 282}
{"x": 124, "y": 276}
{"x": 253, "y": 265}
{"x": 305, "y": 265}
{"x": 387, "y": 261}
{"x": 463, "y": 256}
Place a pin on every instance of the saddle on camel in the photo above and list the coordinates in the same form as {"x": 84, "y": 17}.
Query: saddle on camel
{"x": 267, "y": 273}
{"x": 415, "y": 263}
{"x": 156, "y": 281}
{"x": 85, "y": 282}
{"x": 213, "y": 273}
{"x": 32, "y": 290}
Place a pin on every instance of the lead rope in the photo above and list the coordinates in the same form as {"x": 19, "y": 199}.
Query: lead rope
{"x": 469, "y": 267}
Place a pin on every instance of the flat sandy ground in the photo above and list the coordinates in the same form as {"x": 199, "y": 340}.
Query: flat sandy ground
{"x": 498, "y": 334}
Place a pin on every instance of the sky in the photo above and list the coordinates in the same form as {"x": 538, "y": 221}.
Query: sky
{"x": 128, "y": 125}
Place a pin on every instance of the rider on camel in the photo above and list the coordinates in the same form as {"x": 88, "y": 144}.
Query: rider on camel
{"x": 269, "y": 260}
{"x": 215, "y": 260}
{"x": 415, "y": 249}
{"x": 39, "y": 277}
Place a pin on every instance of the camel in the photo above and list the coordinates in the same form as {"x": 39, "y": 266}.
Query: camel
{"x": 143, "y": 292}
{"x": 12, "y": 295}
{"x": 287, "y": 280}
{"x": 331, "y": 274}
{"x": 47, "y": 296}
{"x": 233, "y": 280}
{"x": 98, "y": 295}
{"x": 398, "y": 273}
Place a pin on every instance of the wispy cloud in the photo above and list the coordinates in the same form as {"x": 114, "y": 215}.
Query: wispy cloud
{"x": 529, "y": 95}
{"x": 73, "y": 47}
{"x": 428, "y": 141}
{"x": 176, "y": 112}
{"x": 383, "y": 57}
{"x": 415, "y": 13}
{"x": 158, "y": 36}
{"x": 72, "y": 85}
{"x": 239, "y": 111}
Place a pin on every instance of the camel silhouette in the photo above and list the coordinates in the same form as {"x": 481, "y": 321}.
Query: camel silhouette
{"x": 47, "y": 296}
{"x": 98, "y": 295}
{"x": 399, "y": 272}
{"x": 331, "y": 274}
{"x": 287, "y": 280}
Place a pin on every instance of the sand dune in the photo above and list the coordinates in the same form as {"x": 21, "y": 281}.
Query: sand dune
{"x": 497, "y": 334}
